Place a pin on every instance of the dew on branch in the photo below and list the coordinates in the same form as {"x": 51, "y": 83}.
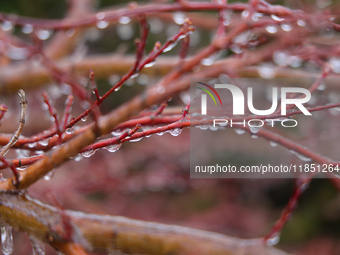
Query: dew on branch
{"x": 273, "y": 240}
{"x": 44, "y": 34}
{"x": 136, "y": 140}
{"x": 49, "y": 175}
{"x": 273, "y": 144}
{"x": 113, "y": 147}
{"x": 124, "y": 20}
{"x": 272, "y": 29}
{"x": 101, "y": 24}
{"x": 286, "y": 27}
{"x": 87, "y": 154}
{"x": 7, "y": 25}
{"x": 301, "y": 23}
{"x": 276, "y": 18}
{"x": 27, "y": 29}
{"x": 32, "y": 145}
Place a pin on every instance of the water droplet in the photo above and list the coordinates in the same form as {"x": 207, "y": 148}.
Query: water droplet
{"x": 161, "y": 89}
{"x": 78, "y": 157}
{"x": 150, "y": 64}
{"x": 38, "y": 247}
{"x": 185, "y": 97}
{"x": 136, "y": 140}
{"x": 44, "y": 142}
{"x": 295, "y": 61}
{"x": 273, "y": 144}
{"x": 6, "y": 25}
{"x": 273, "y": 240}
{"x": 266, "y": 71}
{"x": 102, "y": 24}
{"x": 300, "y": 156}
{"x": 301, "y": 23}
{"x": 286, "y": 27}
{"x": 280, "y": 58}
{"x": 118, "y": 88}
{"x": 160, "y": 133}
{"x": 70, "y": 130}
{"x": 236, "y": 48}
{"x": 254, "y": 136}
{"x": 271, "y": 29}
{"x": 124, "y": 20}
{"x": 87, "y": 154}
{"x": 16, "y": 53}
{"x": 49, "y": 175}
{"x": 100, "y": 15}
{"x": 227, "y": 15}
{"x": 113, "y": 147}
{"x": 175, "y": 132}
{"x": 32, "y": 145}
{"x": 179, "y": 17}
{"x": 245, "y": 14}
{"x": 254, "y": 129}
{"x": 170, "y": 47}
{"x": 203, "y": 127}
{"x": 125, "y": 32}
{"x": 117, "y": 133}
{"x": 212, "y": 128}
{"x": 335, "y": 64}
{"x": 242, "y": 38}
{"x": 7, "y": 240}
{"x": 84, "y": 118}
{"x": 274, "y": 17}
{"x": 44, "y": 34}
{"x": 27, "y": 29}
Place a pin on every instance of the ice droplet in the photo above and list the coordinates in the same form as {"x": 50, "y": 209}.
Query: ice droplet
{"x": 113, "y": 147}
{"x": 266, "y": 71}
{"x": 27, "y": 29}
{"x": 254, "y": 129}
{"x": 87, "y": 154}
{"x": 32, "y": 145}
{"x": 44, "y": 142}
{"x": 273, "y": 240}
{"x": 274, "y": 17}
{"x": 150, "y": 64}
{"x": 136, "y": 140}
{"x": 124, "y": 20}
{"x": 280, "y": 58}
{"x": 179, "y": 17}
{"x": 273, "y": 144}
{"x": 300, "y": 156}
{"x": 70, "y": 130}
{"x": 102, "y": 24}
{"x": 170, "y": 47}
{"x": 44, "y": 34}
{"x": 78, "y": 157}
{"x": 335, "y": 64}
{"x": 49, "y": 175}
{"x": 271, "y": 29}
{"x": 236, "y": 49}
{"x": 38, "y": 248}
{"x": 301, "y": 23}
{"x": 286, "y": 27}
{"x": 175, "y": 132}
{"x": 100, "y": 15}
{"x": 7, "y": 240}
{"x": 245, "y": 14}
{"x": 6, "y": 25}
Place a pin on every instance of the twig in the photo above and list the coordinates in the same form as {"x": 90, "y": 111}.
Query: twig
{"x": 15, "y": 137}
